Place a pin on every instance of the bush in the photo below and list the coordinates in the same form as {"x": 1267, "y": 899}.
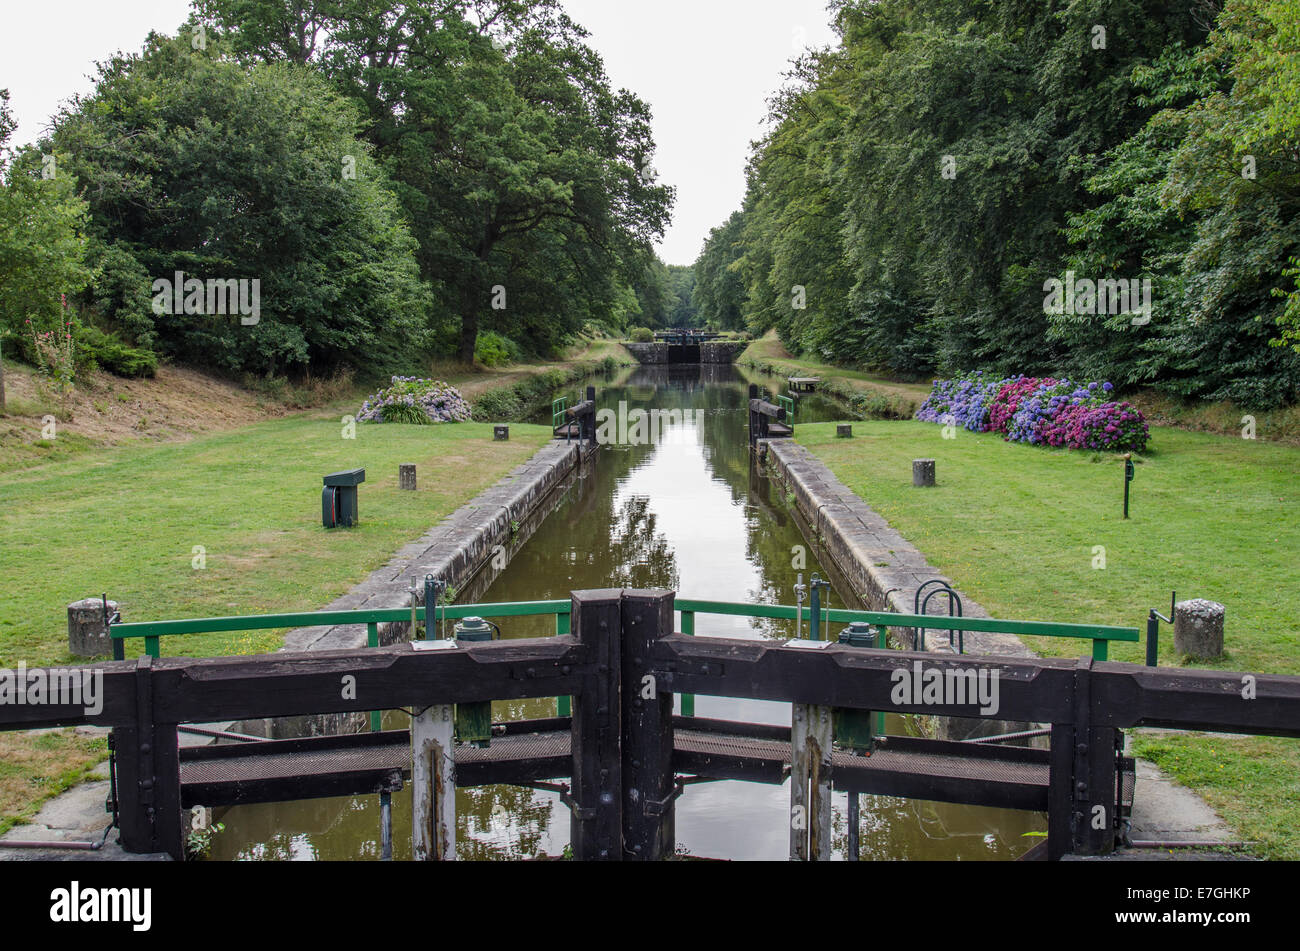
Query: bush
{"x": 494, "y": 350}
{"x": 1007, "y": 402}
{"x": 1039, "y": 411}
{"x": 962, "y": 402}
{"x": 1111, "y": 427}
{"x": 112, "y": 354}
{"x": 641, "y": 335}
{"x": 415, "y": 402}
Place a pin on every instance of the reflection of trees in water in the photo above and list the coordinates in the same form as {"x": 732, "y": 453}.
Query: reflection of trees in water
{"x": 322, "y": 829}
{"x": 895, "y": 830}
{"x": 637, "y": 554}
{"x": 501, "y": 822}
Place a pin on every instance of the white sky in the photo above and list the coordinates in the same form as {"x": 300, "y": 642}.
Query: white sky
{"x": 705, "y": 66}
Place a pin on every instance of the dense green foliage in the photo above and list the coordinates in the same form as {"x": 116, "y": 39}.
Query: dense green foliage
{"x": 523, "y": 175}
{"x": 922, "y": 182}
{"x": 398, "y": 177}
{"x": 665, "y": 297}
{"x": 191, "y": 163}
{"x": 42, "y": 238}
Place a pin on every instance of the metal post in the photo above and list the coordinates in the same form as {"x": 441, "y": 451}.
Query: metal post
{"x": 433, "y": 785}
{"x": 372, "y": 640}
{"x": 563, "y": 705}
{"x": 415, "y": 606}
{"x": 798, "y": 606}
{"x": 810, "y": 783}
{"x": 815, "y": 609}
{"x": 815, "y": 585}
{"x": 799, "y": 716}
{"x": 1130, "y": 473}
{"x": 688, "y": 628}
{"x": 1153, "y": 639}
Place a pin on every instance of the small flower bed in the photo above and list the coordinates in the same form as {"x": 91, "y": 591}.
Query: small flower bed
{"x": 1039, "y": 411}
{"x": 415, "y": 402}
{"x": 961, "y": 402}
{"x": 1007, "y": 402}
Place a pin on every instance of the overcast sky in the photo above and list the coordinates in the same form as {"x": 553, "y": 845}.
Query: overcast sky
{"x": 705, "y": 66}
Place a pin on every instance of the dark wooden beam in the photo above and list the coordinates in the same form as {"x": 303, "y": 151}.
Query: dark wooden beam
{"x": 597, "y": 810}
{"x": 1028, "y": 690}
{"x": 647, "y": 724}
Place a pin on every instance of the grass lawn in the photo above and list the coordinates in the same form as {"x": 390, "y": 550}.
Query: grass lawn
{"x": 127, "y": 522}
{"x": 149, "y": 470}
{"x": 37, "y": 766}
{"x": 1018, "y": 528}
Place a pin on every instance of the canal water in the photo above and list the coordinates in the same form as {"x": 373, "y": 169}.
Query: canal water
{"x": 686, "y": 512}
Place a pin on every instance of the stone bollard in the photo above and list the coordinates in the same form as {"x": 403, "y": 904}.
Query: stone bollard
{"x": 843, "y": 432}
{"x": 501, "y": 434}
{"x": 406, "y": 477}
{"x": 86, "y": 634}
{"x": 923, "y": 473}
{"x": 1198, "y": 628}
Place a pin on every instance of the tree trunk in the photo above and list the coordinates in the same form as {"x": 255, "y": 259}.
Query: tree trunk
{"x": 470, "y": 302}
{"x": 468, "y": 328}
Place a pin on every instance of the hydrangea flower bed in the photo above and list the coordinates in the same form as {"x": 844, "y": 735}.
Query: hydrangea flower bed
{"x": 1041, "y": 411}
{"x": 414, "y": 401}
{"x": 961, "y": 402}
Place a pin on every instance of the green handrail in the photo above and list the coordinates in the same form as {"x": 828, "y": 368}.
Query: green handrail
{"x": 152, "y": 630}
{"x": 789, "y": 405}
{"x": 558, "y": 409}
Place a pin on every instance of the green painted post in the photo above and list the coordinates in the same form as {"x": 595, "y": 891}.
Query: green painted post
{"x": 563, "y": 705}
{"x": 152, "y": 648}
{"x": 688, "y": 628}
{"x": 1100, "y": 649}
{"x": 880, "y": 714}
{"x": 372, "y": 640}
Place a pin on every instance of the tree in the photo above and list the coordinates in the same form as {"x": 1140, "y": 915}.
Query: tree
{"x": 505, "y": 139}
{"x": 719, "y": 293}
{"x": 193, "y": 163}
{"x": 42, "y": 235}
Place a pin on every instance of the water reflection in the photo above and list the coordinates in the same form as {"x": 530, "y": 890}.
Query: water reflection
{"x": 690, "y": 514}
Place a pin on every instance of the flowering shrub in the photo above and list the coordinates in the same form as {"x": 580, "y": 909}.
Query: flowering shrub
{"x": 1008, "y": 399}
{"x": 961, "y": 402}
{"x": 1039, "y": 411}
{"x": 417, "y": 402}
{"x": 56, "y": 358}
{"x": 1111, "y": 427}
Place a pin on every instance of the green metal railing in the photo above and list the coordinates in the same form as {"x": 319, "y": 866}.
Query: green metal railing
{"x": 153, "y": 631}
{"x": 789, "y": 405}
{"x": 558, "y": 409}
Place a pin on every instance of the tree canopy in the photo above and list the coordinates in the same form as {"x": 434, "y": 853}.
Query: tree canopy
{"x": 922, "y": 183}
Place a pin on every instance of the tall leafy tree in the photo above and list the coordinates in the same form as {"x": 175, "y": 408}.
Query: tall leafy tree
{"x": 191, "y": 162}
{"x": 518, "y": 166}
{"x": 42, "y": 234}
